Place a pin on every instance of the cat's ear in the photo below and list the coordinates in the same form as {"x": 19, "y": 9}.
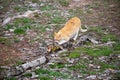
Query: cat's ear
{"x": 55, "y": 33}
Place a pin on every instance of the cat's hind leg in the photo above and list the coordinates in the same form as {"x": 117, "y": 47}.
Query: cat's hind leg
{"x": 75, "y": 37}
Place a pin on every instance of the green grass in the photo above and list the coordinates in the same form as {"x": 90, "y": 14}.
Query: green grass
{"x": 20, "y": 25}
{"x": 64, "y": 2}
{"x": 76, "y": 12}
{"x": 27, "y": 75}
{"x": 94, "y": 52}
{"x": 22, "y": 21}
{"x": 116, "y": 46}
{"x": 109, "y": 37}
{"x": 47, "y": 8}
{"x": 35, "y": 1}
{"x": 58, "y": 20}
{"x": 19, "y": 9}
{"x": 57, "y": 65}
{"x": 42, "y": 77}
{"x": 19, "y": 31}
{"x": 50, "y": 73}
{"x": 97, "y": 29}
{"x": 3, "y": 40}
{"x": 9, "y": 26}
{"x": 105, "y": 65}
{"x": 74, "y": 55}
{"x": 78, "y": 66}
{"x": 12, "y": 78}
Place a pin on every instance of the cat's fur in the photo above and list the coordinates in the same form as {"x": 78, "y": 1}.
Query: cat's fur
{"x": 69, "y": 31}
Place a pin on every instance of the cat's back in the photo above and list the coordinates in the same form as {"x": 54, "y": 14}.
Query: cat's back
{"x": 72, "y": 24}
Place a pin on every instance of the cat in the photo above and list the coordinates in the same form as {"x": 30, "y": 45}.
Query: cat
{"x": 69, "y": 31}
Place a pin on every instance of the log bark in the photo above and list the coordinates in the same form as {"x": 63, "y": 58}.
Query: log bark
{"x": 14, "y": 71}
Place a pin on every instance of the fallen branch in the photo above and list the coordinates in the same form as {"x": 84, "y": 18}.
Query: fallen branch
{"x": 15, "y": 71}
{"x": 28, "y": 14}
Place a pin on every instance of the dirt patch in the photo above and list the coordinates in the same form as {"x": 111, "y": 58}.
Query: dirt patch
{"x": 9, "y": 55}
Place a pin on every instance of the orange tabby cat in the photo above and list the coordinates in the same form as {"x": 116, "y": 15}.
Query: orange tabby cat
{"x": 69, "y": 31}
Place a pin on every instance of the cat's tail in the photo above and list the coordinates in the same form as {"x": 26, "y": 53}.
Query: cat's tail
{"x": 84, "y": 30}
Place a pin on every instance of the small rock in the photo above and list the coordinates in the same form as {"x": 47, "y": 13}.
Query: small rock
{"x": 34, "y": 5}
{"x": 91, "y": 77}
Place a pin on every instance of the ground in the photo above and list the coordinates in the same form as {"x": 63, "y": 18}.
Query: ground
{"x": 26, "y": 39}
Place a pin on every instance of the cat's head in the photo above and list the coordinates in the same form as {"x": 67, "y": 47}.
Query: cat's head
{"x": 59, "y": 39}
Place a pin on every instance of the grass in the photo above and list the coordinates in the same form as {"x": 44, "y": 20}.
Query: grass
{"x": 97, "y": 29}
{"x": 94, "y": 52}
{"x": 105, "y": 65}
{"x": 64, "y": 2}
{"x": 57, "y": 65}
{"x": 3, "y": 40}
{"x": 27, "y": 74}
{"x": 58, "y": 20}
{"x": 74, "y": 55}
{"x": 20, "y": 25}
{"x": 47, "y": 8}
{"x": 20, "y": 21}
{"x": 50, "y": 73}
{"x": 19, "y": 9}
{"x": 19, "y": 31}
{"x": 109, "y": 37}
{"x": 44, "y": 78}
{"x": 12, "y": 78}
